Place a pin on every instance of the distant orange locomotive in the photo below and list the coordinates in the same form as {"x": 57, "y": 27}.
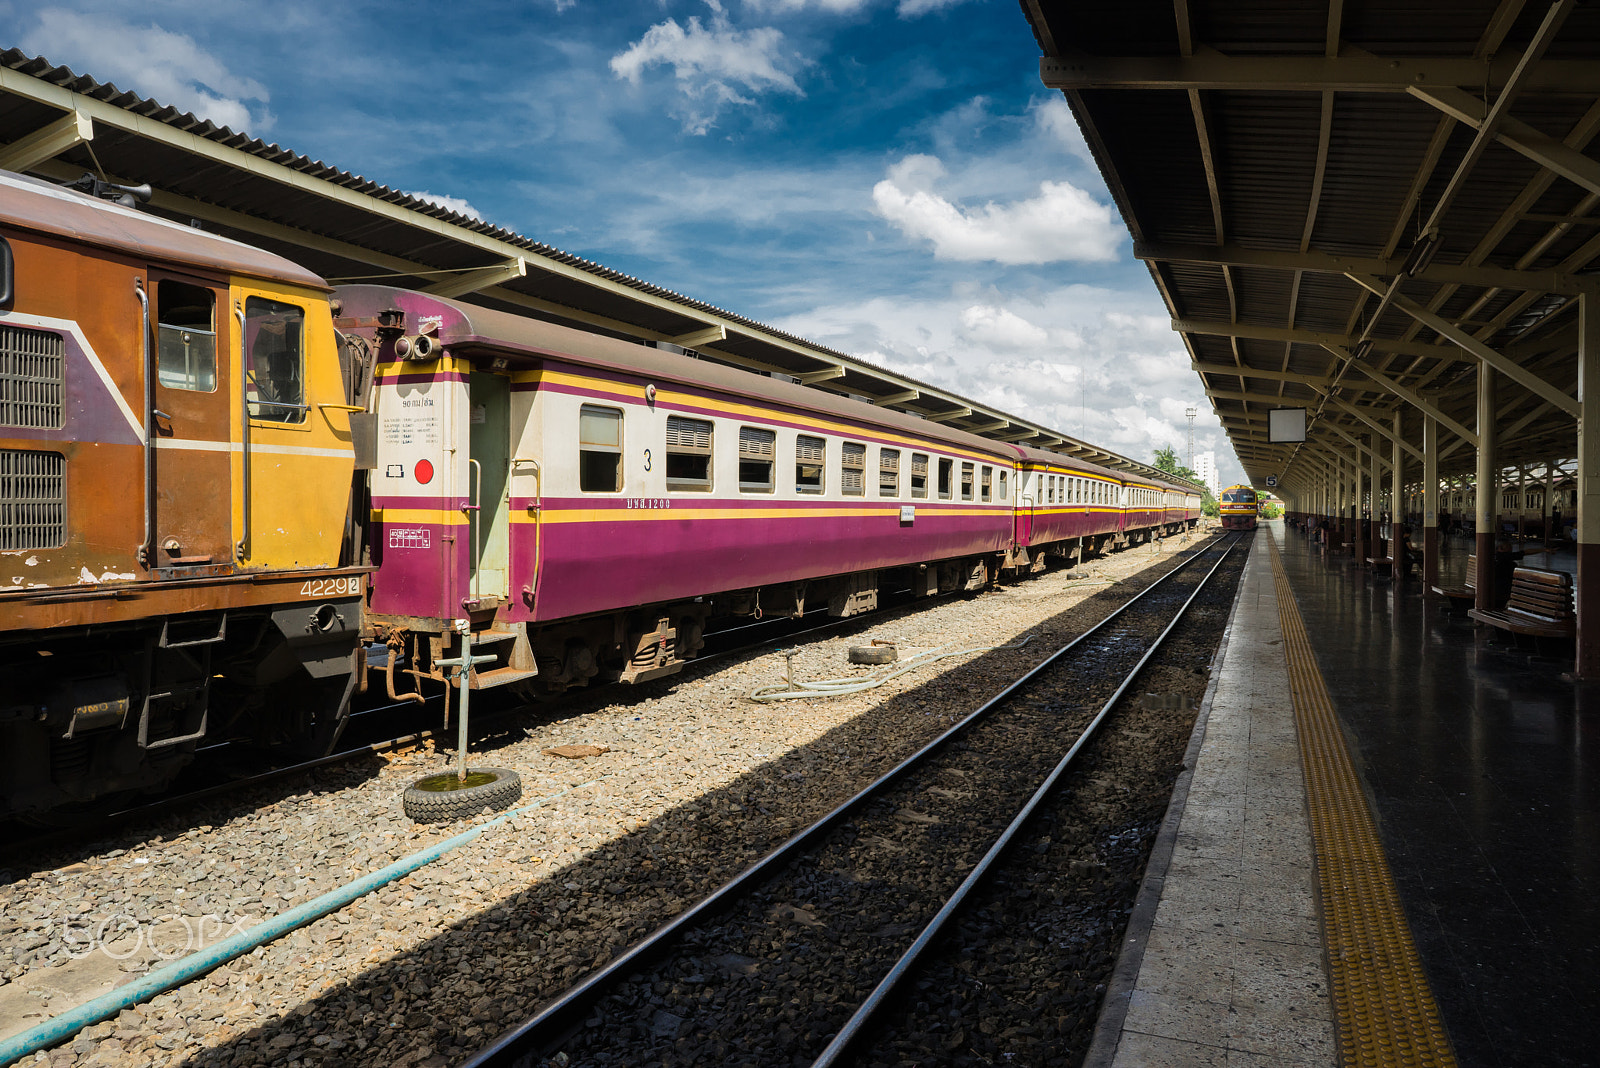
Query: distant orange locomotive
{"x": 1240, "y": 508}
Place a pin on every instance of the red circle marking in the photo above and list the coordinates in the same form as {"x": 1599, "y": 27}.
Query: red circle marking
{"x": 424, "y": 472}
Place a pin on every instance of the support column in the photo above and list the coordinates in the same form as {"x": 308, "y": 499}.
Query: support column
{"x": 1397, "y": 507}
{"x": 1430, "y": 504}
{"x": 1359, "y": 525}
{"x": 1587, "y": 665}
{"x": 1485, "y": 490}
{"x": 1375, "y": 521}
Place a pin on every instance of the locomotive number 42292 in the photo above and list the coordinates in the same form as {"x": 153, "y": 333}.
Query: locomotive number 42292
{"x": 349, "y": 586}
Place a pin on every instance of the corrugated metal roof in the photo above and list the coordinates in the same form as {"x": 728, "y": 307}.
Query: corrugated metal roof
{"x": 1298, "y": 127}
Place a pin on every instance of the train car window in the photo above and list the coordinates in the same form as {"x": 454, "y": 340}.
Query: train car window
{"x": 919, "y": 474}
{"x": 888, "y": 472}
{"x": 275, "y": 355}
{"x": 985, "y": 483}
{"x": 966, "y": 482}
{"x": 32, "y": 377}
{"x": 853, "y": 469}
{"x": 186, "y": 337}
{"x": 810, "y": 454}
{"x": 758, "y": 458}
{"x": 599, "y": 449}
{"x": 8, "y": 276}
{"x": 946, "y": 477}
{"x": 688, "y": 454}
{"x": 1004, "y": 489}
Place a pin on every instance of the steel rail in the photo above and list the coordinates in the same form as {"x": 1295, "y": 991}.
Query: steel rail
{"x": 851, "y": 1032}
{"x": 556, "y": 1019}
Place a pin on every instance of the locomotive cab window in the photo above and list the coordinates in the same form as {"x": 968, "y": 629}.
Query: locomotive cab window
{"x": 688, "y": 454}
{"x": 946, "y": 477}
{"x": 966, "y": 482}
{"x": 919, "y": 474}
{"x": 599, "y": 449}
{"x": 758, "y": 453}
{"x": 888, "y": 472}
{"x": 274, "y": 360}
{"x": 809, "y": 455}
{"x": 853, "y": 469}
{"x": 186, "y": 336}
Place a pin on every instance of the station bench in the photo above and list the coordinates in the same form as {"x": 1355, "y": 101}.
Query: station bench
{"x": 1540, "y": 605}
{"x": 1467, "y": 592}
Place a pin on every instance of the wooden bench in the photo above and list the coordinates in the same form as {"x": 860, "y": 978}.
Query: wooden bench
{"x": 1468, "y": 592}
{"x": 1381, "y": 565}
{"x": 1540, "y": 605}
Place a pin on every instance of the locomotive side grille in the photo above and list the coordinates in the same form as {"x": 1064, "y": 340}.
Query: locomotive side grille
{"x": 33, "y": 499}
{"x": 31, "y": 378}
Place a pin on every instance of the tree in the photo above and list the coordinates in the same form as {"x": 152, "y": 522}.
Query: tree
{"x": 1166, "y": 459}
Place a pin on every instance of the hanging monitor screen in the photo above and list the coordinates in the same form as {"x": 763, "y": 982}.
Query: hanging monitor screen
{"x": 1286, "y": 425}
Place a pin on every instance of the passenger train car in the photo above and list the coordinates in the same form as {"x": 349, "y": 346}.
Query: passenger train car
{"x": 224, "y": 486}
{"x": 1239, "y": 508}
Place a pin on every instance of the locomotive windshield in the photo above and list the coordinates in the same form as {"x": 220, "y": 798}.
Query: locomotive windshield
{"x": 1239, "y": 497}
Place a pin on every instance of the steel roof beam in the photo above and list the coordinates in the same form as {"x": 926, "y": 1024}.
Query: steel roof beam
{"x": 903, "y": 397}
{"x": 1352, "y": 71}
{"x": 695, "y": 339}
{"x": 1256, "y": 372}
{"x": 984, "y": 428}
{"x": 480, "y": 278}
{"x": 1323, "y": 263}
{"x": 1548, "y": 152}
{"x": 945, "y": 417}
{"x": 1319, "y": 338}
{"x": 1510, "y": 368}
{"x": 26, "y": 153}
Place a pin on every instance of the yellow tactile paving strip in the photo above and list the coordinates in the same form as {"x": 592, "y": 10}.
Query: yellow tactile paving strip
{"x": 1384, "y": 1008}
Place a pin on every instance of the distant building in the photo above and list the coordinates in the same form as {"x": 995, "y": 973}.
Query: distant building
{"x": 1205, "y": 465}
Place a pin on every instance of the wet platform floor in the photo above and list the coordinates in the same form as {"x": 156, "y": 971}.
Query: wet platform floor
{"x": 1482, "y": 766}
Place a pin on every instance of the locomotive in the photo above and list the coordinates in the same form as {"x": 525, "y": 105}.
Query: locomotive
{"x": 1239, "y": 508}
{"x": 226, "y": 489}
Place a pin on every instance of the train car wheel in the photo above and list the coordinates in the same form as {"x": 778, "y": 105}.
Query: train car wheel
{"x": 442, "y": 798}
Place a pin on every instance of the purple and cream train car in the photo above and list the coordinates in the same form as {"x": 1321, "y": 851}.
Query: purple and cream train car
{"x": 587, "y": 503}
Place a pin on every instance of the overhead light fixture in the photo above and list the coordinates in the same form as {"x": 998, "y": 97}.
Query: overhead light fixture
{"x": 1362, "y": 350}
{"x": 1421, "y": 254}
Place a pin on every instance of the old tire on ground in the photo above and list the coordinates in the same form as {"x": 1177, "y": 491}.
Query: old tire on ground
{"x": 441, "y": 798}
{"x": 873, "y": 654}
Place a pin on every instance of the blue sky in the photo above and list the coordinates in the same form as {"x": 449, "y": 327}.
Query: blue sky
{"x": 887, "y": 177}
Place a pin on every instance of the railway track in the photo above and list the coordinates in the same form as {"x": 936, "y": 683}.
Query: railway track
{"x": 790, "y": 960}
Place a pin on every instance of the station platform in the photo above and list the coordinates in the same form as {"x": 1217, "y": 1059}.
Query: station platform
{"x": 1386, "y": 849}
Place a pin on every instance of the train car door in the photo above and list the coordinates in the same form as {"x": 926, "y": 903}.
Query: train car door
{"x": 190, "y": 429}
{"x": 1024, "y": 508}
{"x": 489, "y": 441}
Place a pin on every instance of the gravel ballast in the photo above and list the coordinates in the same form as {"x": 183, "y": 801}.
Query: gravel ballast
{"x": 696, "y": 782}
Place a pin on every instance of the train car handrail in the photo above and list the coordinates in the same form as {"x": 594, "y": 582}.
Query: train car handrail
{"x": 149, "y": 425}
{"x": 242, "y": 548}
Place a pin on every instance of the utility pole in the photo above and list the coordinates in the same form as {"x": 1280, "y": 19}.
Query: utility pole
{"x": 1191, "y": 413}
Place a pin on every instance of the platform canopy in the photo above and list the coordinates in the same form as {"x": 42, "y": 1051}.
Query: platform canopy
{"x": 57, "y": 124}
{"x": 1349, "y": 207}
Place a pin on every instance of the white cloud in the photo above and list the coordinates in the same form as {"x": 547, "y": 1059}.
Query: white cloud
{"x": 714, "y": 67}
{"x": 1061, "y": 223}
{"x": 784, "y": 7}
{"x": 455, "y": 204}
{"x": 910, "y": 9}
{"x": 165, "y": 66}
{"x": 1099, "y": 364}
{"x": 1001, "y": 328}
{"x": 1054, "y": 119}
